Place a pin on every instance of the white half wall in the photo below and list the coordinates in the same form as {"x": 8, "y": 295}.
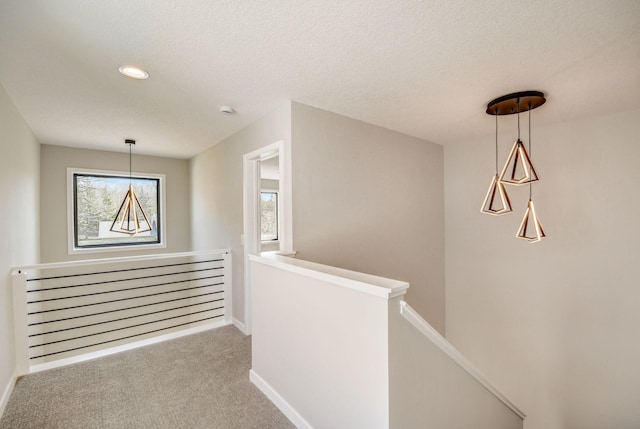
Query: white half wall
{"x": 19, "y": 228}
{"x": 553, "y": 324}
{"x": 320, "y": 342}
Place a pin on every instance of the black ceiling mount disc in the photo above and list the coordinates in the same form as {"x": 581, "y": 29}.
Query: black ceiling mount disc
{"x": 508, "y": 104}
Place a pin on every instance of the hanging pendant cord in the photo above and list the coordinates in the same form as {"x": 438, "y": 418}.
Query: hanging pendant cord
{"x": 130, "y": 194}
{"x": 496, "y": 141}
{"x": 530, "y": 146}
{"x": 518, "y": 104}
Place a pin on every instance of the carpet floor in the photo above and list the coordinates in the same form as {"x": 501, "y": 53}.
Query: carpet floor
{"x": 197, "y": 381}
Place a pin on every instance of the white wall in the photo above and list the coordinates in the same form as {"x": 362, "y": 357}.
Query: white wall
{"x": 53, "y": 208}
{"x": 555, "y": 324}
{"x": 216, "y": 192}
{"x": 332, "y": 364}
{"x": 371, "y": 200}
{"x": 19, "y": 229}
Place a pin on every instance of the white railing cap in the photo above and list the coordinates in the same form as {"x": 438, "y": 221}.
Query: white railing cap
{"x": 367, "y": 283}
{"x": 79, "y": 263}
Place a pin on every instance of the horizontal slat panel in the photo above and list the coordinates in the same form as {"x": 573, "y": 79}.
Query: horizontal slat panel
{"x": 50, "y": 353}
{"x": 134, "y": 295}
{"x": 75, "y": 310}
{"x": 90, "y": 324}
{"x": 96, "y": 334}
{"x": 108, "y": 309}
{"x": 79, "y": 282}
{"x": 132, "y": 267}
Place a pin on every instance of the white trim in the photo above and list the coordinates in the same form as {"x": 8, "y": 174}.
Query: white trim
{"x": 434, "y": 336}
{"x": 279, "y": 401}
{"x": 285, "y": 198}
{"x": 251, "y": 237}
{"x": 73, "y": 250}
{"x": 228, "y": 286}
{"x": 20, "y": 322}
{"x": 291, "y": 254}
{"x": 4, "y": 400}
{"x": 125, "y": 347}
{"x": 366, "y": 283}
{"x": 251, "y": 208}
{"x": 69, "y": 264}
{"x": 238, "y": 324}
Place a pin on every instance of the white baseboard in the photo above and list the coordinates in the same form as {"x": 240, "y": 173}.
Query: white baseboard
{"x": 241, "y": 326}
{"x": 125, "y": 347}
{"x": 279, "y": 401}
{"x": 7, "y": 392}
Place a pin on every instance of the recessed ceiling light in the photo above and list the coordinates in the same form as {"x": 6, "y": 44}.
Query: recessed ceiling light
{"x": 134, "y": 72}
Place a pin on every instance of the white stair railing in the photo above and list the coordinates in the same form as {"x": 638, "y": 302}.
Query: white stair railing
{"x": 431, "y": 381}
{"x": 334, "y": 348}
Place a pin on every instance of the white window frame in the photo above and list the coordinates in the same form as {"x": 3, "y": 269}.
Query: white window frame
{"x": 277, "y": 192}
{"x": 73, "y": 250}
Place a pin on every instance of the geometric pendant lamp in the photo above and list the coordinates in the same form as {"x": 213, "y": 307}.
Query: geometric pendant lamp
{"x": 518, "y": 169}
{"x": 131, "y": 212}
{"x": 530, "y": 228}
{"x": 496, "y": 202}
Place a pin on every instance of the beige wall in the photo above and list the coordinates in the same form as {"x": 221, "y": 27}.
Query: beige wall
{"x": 343, "y": 171}
{"x": 369, "y": 199}
{"x": 53, "y": 207}
{"x": 429, "y": 389}
{"x": 269, "y": 184}
{"x": 216, "y": 189}
{"x": 19, "y": 192}
{"x": 553, "y": 324}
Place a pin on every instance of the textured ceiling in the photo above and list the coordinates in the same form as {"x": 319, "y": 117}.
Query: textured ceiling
{"x": 424, "y": 68}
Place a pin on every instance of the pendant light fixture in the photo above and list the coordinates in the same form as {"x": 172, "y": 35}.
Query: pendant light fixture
{"x": 530, "y": 227}
{"x": 129, "y": 215}
{"x": 496, "y": 202}
{"x": 518, "y": 170}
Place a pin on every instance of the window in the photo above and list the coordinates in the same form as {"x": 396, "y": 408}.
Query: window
{"x": 96, "y": 200}
{"x": 269, "y": 218}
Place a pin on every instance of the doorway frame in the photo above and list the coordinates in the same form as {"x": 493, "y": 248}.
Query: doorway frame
{"x": 251, "y": 210}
